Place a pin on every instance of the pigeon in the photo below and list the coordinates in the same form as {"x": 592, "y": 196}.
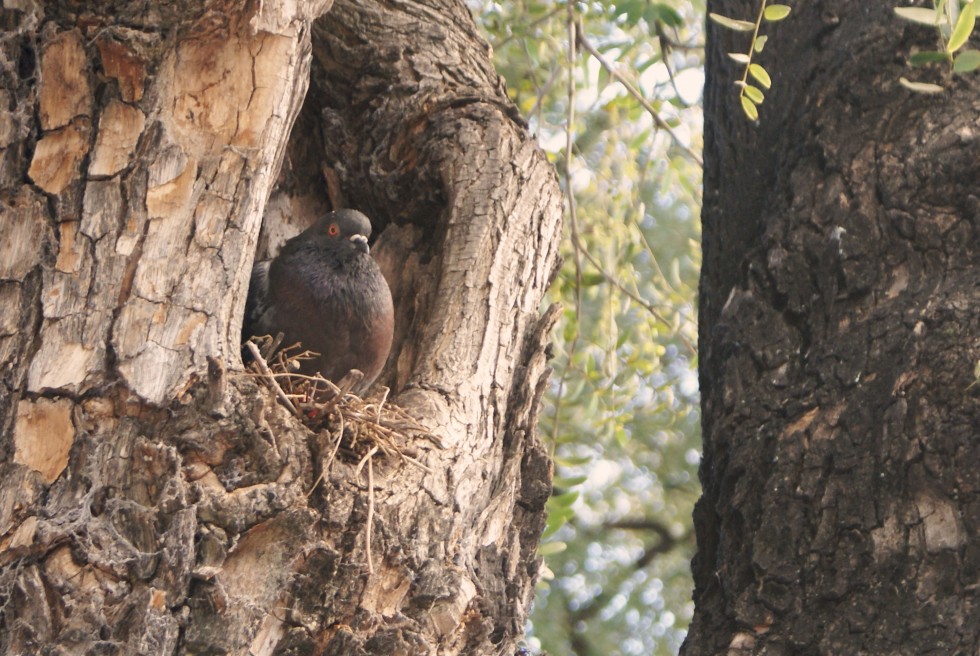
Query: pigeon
{"x": 326, "y": 292}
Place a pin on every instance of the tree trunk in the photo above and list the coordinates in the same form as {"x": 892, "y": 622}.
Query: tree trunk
{"x": 840, "y": 315}
{"x": 155, "y": 499}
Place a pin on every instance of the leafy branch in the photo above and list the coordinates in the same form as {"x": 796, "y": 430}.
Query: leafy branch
{"x": 954, "y": 27}
{"x": 750, "y": 95}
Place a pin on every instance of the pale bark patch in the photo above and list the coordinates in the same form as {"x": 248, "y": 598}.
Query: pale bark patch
{"x": 64, "y": 92}
{"x": 58, "y": 155}
{"x": 9, "y": 298}
{"x": 890, "y": 538}
{"x": 70, "y": 254}
{"x": 119, "y": 129}
{"x": 121, "y": 63}
{"x": 939, "y": 522}
{"x": 101, "y": 208}
{"x": 148, "y": 343}
{"x": 43, "y": 435}
{"x": 255, "y": 570}
{"x": 23, "y": 536}
{"x": 61, "y": 362}
{"x": 385, "y": 591}
{"x": 24, "y": 227}
{"x": 225, "y": 93}
{"x": 447, "y": 615}
{"x": 170, "y": 189}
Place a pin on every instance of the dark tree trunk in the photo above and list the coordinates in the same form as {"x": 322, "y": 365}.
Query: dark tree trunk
{"x": 151, "y": 503}
{"x": 840, "y": 315}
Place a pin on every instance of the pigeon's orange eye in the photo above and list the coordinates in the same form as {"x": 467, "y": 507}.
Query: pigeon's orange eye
{"x": 333, "y": 230}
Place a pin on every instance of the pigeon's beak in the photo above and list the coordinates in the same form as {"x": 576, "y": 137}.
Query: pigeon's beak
{"x": 360, "y": 243}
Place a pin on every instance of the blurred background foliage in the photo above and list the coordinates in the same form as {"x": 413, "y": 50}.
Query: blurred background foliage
{"x": 612, "y": 90}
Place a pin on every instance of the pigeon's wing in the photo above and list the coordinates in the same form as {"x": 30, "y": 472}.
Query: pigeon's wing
{"x": 257, "y": 301}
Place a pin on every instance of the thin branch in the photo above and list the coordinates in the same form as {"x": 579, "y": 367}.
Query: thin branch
{"x": 639, "y": 229}
{"x": 633, "y": 91}
{"x": 572, "y": 214}
{"x": 664, "y": 544}
{"x": 674, "y": 44}
{"x": 653, "y": 258}
{"x": 529, "y": 26}
{"x": 665, "y": 58}
{"x": 636, "y": 298}
{"x": 537, "y": 108}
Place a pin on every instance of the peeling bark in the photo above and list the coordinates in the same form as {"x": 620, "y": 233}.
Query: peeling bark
{"x": 155, "y": 500}
{"x": 840, "y": 316}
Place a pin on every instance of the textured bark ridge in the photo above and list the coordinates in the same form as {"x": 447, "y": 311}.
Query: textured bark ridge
{"x": 155, "y": 500}
{"x": 840, "y": 318}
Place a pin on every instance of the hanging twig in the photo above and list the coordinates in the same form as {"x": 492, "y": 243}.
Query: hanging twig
{"x": 572, "y": 213}
{"x": 636, "y": 298}
{"x": 633, "y": 91}
{"x": 370, "y": 513}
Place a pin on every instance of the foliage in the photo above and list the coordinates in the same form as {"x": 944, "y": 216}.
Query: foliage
{"x": 953, "y": 24}
{"x": 751, "y": 96}
{"x": 620, "y": 83}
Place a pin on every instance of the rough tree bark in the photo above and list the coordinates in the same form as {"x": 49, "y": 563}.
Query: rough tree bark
{"x": 840, "y": 327}
{"x": 153, "y": 503}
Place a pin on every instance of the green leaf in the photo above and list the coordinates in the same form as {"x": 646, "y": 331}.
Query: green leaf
{"x": 760, "y": 43}
{"x": 928, "y": 57}
{"x": 740, "y": 57}
{"x": 556, "y": 519}
{"x": 572, "y": 461}
{"x": 776, "y": 12}
{"x": 963, "y": 29}
{"x": 571, "y": 481}
{"x": 750, "y": 109}
{"x": 564, "y": 500}
{"x": 592, "y": 279}
{"x": 920, "y": 87}
{"x": 918, "y": 15}
{"x": 754, "y": 93}
{"x": 632, "y": 9}
{"x": 623, "y": 336}
{"x": 966, "y": 61}
{"x": 664, "y": 13}
{"x": 551, "y": 548}
{"x": 760, "y": 75}
{"x": 731, "y": 23}
{"x": 647, "y": 63}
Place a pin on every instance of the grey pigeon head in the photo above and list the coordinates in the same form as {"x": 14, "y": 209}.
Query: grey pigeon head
{"x": 325, "y": 291}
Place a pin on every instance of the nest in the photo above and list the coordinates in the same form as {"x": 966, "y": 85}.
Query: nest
{"x": 358, "y": 427}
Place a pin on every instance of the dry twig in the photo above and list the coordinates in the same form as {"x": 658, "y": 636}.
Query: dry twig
{"x": 368, "y": 458}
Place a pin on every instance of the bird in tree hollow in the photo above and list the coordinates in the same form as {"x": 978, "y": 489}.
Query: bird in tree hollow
{"x": 325, "y": 291}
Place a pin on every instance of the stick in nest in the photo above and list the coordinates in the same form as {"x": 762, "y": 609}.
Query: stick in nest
{"x": 269, "y": 378}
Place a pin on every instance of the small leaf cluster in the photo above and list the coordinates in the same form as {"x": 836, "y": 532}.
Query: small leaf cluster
{"x": 954, "y": 25}
{"x": 651, "y": 13}
{"x": 750, "y": 94}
